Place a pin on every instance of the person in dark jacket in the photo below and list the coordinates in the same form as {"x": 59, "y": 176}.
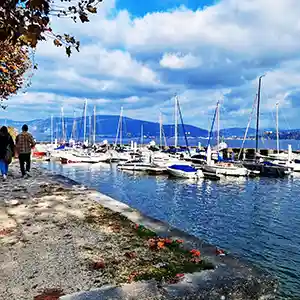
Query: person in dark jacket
{"x": 6, "y": 144}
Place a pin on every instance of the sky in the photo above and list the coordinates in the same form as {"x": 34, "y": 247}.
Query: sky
{"x": 139, "y": 54}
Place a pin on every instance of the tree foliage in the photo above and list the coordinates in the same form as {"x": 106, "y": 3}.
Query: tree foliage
{"x": 26, "y": 22}
{"x": 14, "y": 62}
{"x": 13, "y": 132}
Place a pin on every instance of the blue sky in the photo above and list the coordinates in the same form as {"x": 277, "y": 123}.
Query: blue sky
{"x": 138, "y": 54}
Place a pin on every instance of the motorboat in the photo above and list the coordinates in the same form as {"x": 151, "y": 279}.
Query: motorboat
{"x": 135, "y": 165}
{"x": 227, "y": 169}
{"x": 184, "y": 171}
{"x": 268, "y": 169}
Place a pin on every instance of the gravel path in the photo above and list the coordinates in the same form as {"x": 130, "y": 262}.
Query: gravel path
{"x": 43, "y": 238}
{"x": 54, "y": 237}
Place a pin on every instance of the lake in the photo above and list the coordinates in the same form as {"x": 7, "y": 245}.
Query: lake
{"x": 257, "y": 219}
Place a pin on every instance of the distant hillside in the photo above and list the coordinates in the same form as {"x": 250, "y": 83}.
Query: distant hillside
{"x": 107, "y": 127}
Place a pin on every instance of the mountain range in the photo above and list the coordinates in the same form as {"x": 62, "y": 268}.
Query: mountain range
{"x": 106, "y": 126}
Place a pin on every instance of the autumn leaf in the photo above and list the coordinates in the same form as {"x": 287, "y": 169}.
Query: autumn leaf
{"x": 57, "y": 43}
{"x": 14, "y": 62}
{"x": 91, "y": 9}
{"x": 83, "y": 17}
{"x": 160, "y": 245}
{"x": 68, "y": 51}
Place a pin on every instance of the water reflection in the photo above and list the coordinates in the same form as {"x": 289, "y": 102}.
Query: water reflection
{"x": 255, "y": 218}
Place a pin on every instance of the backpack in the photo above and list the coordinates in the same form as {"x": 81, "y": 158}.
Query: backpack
{"x": 8, "y": 155}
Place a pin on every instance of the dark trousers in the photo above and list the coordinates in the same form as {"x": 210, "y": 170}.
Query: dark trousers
{"x": 24, "y": 158}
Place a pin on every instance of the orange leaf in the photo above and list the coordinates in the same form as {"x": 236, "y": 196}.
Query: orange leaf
{"x": 160, "y": 245}
{"x": 57, "y": 43}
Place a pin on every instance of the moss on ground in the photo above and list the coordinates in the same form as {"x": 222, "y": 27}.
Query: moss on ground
{"x": 137, "y": 253}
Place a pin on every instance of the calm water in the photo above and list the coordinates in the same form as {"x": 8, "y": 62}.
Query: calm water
{"x": 258, "y": 219}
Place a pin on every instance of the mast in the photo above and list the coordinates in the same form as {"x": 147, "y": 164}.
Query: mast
{"x": 277, "y": 127}
{"x": 90, "y": 128}
{"x": 257, "y": 113}
{"x": 119, "y": 129}
{"x": 160, "y": 129}
{"x": 218, "y": 125}
{"x": 74, "y": 126}
{"x": 142, "y": 134}
{"x": 94, "y": 130}
{"x": 121, "y": 126}
{"x": 51, "y": 129}
{"x": 248, "y": 126}
{"x": 183, "y": 128}
{"x": 212, "y": 126}
{"x": 176, "y": 122}
{"x": 84, "y": 121}
{"x": 63, "y": 125}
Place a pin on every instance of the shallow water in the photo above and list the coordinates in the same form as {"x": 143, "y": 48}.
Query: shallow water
{"x": 257, "y": 219}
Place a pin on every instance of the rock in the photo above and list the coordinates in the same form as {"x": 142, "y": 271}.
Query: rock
{"x": 14, "y": 202}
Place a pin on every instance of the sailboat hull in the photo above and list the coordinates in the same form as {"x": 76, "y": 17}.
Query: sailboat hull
{"x": 227, "y": 171}
{"x": 268, "y": 170}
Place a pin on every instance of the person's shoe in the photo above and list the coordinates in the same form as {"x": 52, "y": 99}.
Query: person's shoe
{"x": 4, "y": 177}
{"x": 28, "y": 174}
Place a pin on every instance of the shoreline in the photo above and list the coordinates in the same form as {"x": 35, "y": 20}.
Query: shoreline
{"x": 43, "y": 213}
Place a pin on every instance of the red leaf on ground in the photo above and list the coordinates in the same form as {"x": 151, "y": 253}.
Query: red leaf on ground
{"x": 6, "y": 231}
{"x": 196, "y": 260}
{"x": 98, "y": 265}
{"x": 50, "y": 294}
{"x": 195, "y": 252}
{"x": 132, "y": 276}
{"x": 131, "y": 255}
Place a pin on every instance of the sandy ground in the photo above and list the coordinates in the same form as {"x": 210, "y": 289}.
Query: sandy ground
{"x": 54, "y": 237}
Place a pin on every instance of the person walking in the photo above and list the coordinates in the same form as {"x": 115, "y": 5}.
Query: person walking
{"x": 7, "y": 148}
{"x": 24, "y": 144}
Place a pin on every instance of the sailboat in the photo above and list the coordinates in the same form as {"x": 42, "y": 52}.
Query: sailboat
{"x": 119, "y": 153}
{"x": 283, "y": 158}
{"x": 221, "y": 167}
{"x": 264, "y": 168}
{"x": 182, "y": 169}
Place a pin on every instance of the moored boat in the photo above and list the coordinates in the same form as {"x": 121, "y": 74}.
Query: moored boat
{"x": 183, "y": 171}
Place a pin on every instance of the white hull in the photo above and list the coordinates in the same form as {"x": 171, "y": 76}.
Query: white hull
{"x": 182, "y": 174}
{"x": 296, "y": 167}
{"x": 73, "y": 158}
{"x": 134, "y": 167}
{"x": 231, "y": 171}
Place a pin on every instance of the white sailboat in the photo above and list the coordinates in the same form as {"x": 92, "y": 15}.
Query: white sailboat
{"x": 181, "y": 168}
{"x": 282, "y": 158}
{"x": 222, "y": 168}
{"x": 121, "y": 154}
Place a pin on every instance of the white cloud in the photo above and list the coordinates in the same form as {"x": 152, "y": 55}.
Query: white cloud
{"x": 142, "y": 61}
{"x": 179, "y": 61}
{"x": 132, "y": 99}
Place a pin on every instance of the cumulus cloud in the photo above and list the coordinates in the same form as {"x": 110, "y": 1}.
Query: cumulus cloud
{"x": 180, "y": 61}
{"x": 142, "y": 61}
